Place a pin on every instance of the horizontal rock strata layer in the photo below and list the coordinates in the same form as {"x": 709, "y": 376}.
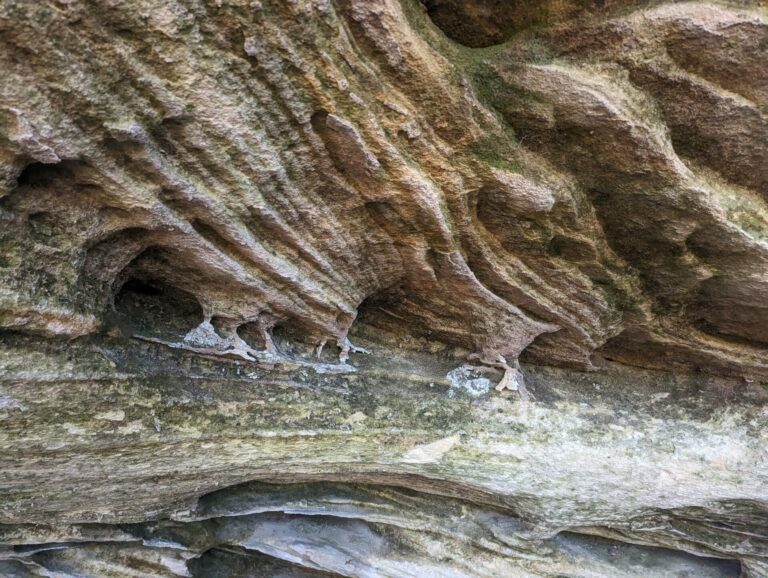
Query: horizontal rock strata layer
{"x": 398, "y": 469}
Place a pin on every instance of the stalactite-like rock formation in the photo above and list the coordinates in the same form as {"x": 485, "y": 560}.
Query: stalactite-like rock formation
{"x": 262, "y": 263}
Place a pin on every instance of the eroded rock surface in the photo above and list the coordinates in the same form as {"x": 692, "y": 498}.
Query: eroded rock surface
{"x": 207, "y": 207}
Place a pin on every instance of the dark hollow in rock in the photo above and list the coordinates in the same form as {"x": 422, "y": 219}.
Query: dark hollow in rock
{"x": 483, "y": 23}
{"x": 45, "y": 174}
{"x": 154, "y": 309}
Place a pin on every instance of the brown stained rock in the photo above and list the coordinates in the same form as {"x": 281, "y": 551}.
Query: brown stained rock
{"x": 269, "y": 186}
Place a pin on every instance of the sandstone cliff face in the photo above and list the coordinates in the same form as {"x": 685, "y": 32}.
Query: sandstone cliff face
{"x": 205, "y": 204}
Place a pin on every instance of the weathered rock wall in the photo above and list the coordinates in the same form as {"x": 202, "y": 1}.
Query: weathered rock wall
{"x": 595, "y": 188}
{"x": 203, "y": 204}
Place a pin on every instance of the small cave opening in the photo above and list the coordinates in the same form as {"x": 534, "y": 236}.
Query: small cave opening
{"x": 298, "y": 341}
{"x": 483, "y": 23}
{"x": 39, "y": 186}
{"x": 476, "y": 23}
{"x": 391, "y": 320}
{"x": 152, "y": 308}
{"x": 378, "y": 318}
{"x": 223, "y": 326}
{"x": 290, "y": 337}
{"x": 36, "y": 174}
{"x": 44, "y": 174}
{"x": 251, "y": 332}
{"x": 288, "y": 341}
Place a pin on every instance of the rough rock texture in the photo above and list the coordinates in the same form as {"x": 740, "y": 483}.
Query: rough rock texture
{"x": 203, "y": 204}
